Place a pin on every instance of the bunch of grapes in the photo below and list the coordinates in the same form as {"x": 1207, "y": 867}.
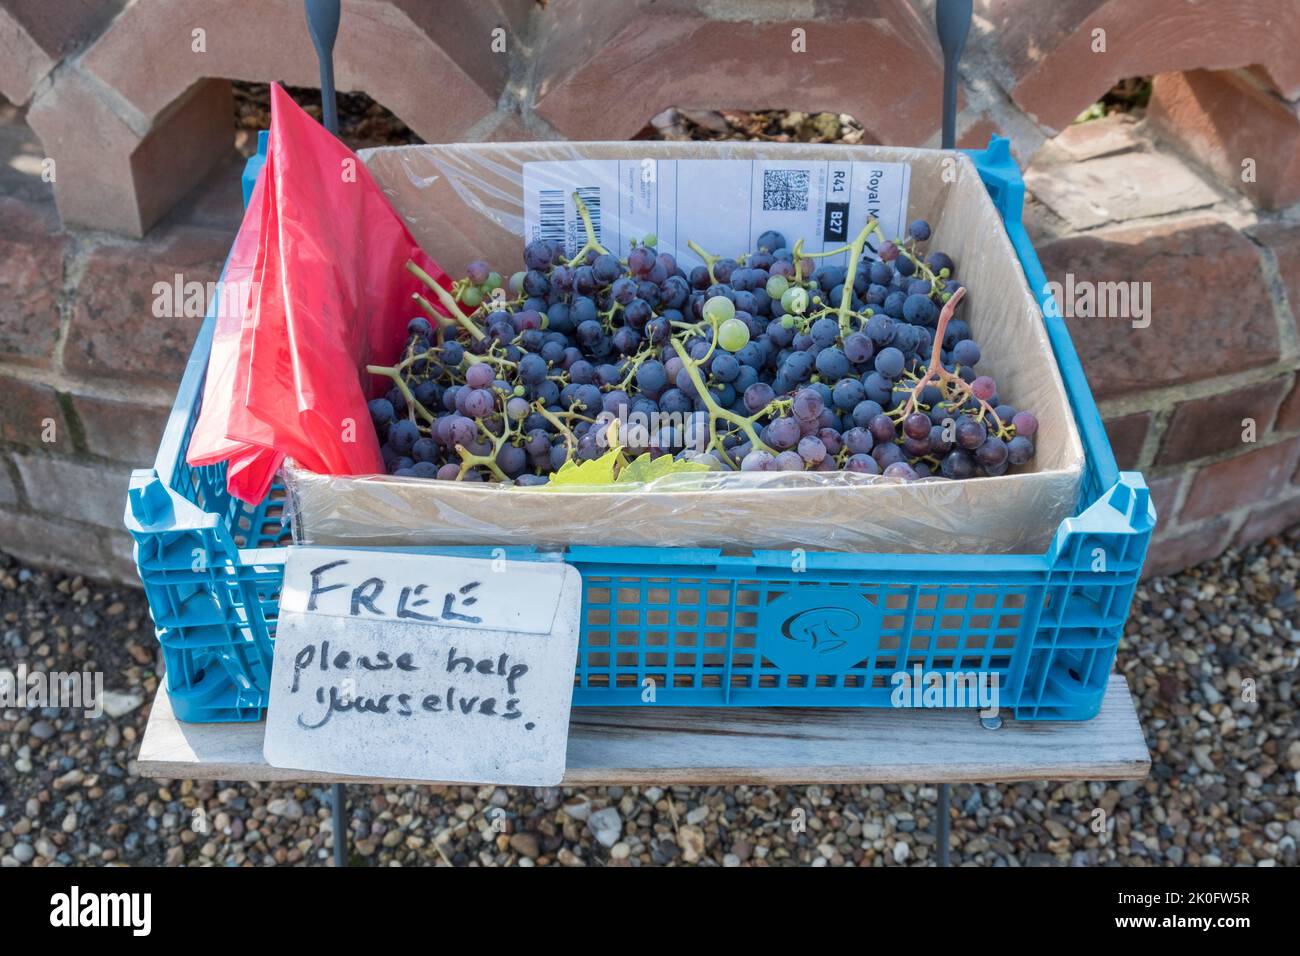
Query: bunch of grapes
{"x": 781, "y": 363}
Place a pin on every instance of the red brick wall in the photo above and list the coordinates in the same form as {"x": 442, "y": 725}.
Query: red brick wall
{"x": 1195, "y": 198}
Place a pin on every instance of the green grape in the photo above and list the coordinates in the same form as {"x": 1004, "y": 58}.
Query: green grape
{"x": 650, "y": 240}
{"x": 493, "y": 281}
{"x": 472, "y": 297}
{"x": 719, "y": 309}
{"x": 517, "y": 283}
{"x": 787, "y": 322}
{"x": 794, "y": 300}
{"x": 733, "y": 335}
{"x": 777, "y": 285}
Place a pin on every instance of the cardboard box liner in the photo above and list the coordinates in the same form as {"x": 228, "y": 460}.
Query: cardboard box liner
{"x": 465, "y": 202}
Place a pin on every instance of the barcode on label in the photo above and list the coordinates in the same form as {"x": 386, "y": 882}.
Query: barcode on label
{"x": 785, "y": 190}
{"x": 550, "y": 214}
{"x": 553, "y": 223}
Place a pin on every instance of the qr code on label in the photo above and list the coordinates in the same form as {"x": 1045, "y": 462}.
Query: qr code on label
{"x": 785, "y": 190}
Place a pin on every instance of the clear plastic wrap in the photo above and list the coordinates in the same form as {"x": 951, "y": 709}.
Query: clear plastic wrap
{"x": 466, "y": 202}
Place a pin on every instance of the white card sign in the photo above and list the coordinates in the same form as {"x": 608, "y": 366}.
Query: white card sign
{"x": 422, "y": 667}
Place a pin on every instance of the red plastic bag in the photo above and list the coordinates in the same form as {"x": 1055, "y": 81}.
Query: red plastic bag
{"x": 328, "y": 294}
{"x": 209, "y": 443}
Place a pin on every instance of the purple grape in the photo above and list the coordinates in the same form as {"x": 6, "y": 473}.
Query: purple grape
{"x": 992, "y": 453}
{"x": 1019, "y": 450}
{"x": 890, "y": 362}
{"x": 403, "y": 436}
{"x": 479, "y": 375}
{"x": 512, "y": 460}
{"x": 957, "y": 464}
{"x": 858, "y": 441}
{"x": 966, "y": 352}
{"x": 789, "y": 461}
{"x": 460, "y": 430}
{"x": 862, "y": 464}
{"x": 882, "y": 429}
{"x": 758, "y": 396}
{"x": 782, "y": 433}
{"x": 916, "y": 447}
{"x": 917, "y": 425}
{"x": 886, "y": 454}
{"x": 424, "y": 450}
{"x": 859, "y": 348}
{"x": 970, "y": 434}
{"x": 479, "y": 402}
{"x": 1026, "y": 424}
{"x": 811, "y": 449}
{"x": 808, "y": 403}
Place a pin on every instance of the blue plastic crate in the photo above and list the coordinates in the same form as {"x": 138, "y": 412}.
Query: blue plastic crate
{"x": 708, "y": 629}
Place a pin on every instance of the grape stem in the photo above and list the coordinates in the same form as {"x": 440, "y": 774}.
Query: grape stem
{"x": 447, "y": 301}
{"x": 592, "y": 242}
{"x": 402, "y": 387}
{"x": 708, "y": 257}
{"x": 855, "y": 258}
{"x": 439, "y": 320}
{"x": 569, "y": 441}
{"x": 715, "y": 410}
{"x": 473, "y": 359}
{"x": 955, "y": 389}
{"x": 468, "y": 459}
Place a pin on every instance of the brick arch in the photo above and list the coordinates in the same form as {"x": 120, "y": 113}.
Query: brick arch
{"x": 1054, "y": 75}
{"x": 141, "y": 116}
{"x": 597, "y": 76}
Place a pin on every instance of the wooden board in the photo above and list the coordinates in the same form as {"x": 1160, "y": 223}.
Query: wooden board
{"x": 667, "y": 745}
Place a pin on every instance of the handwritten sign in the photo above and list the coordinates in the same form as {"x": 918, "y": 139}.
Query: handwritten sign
{"x": 422, "y": 667}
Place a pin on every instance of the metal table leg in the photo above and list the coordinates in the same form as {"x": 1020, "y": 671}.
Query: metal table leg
{"x": 340, "y": 834}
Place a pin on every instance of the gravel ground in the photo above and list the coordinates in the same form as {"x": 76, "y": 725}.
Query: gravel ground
{"x": 1222, "y": 790}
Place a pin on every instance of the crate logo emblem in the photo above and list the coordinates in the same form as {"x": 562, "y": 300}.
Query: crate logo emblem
{"x": 817, "y": 630}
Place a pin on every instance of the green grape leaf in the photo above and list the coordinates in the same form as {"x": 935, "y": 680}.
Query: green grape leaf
{"x": 601, "y": 471}
{"x": 645, "y": 468}
{"x": 598, "y": 471}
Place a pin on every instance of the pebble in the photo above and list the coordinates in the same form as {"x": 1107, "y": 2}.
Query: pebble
{"x": 120, "y": 703}
{"x": 288, "y": 808}
{"x": 607, "y": 825}
{"x": 691, "y": 840}
{"x": 1201, "y": 754}
{"x": 578, "y": 807}
{"x": 525, "y": 844}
